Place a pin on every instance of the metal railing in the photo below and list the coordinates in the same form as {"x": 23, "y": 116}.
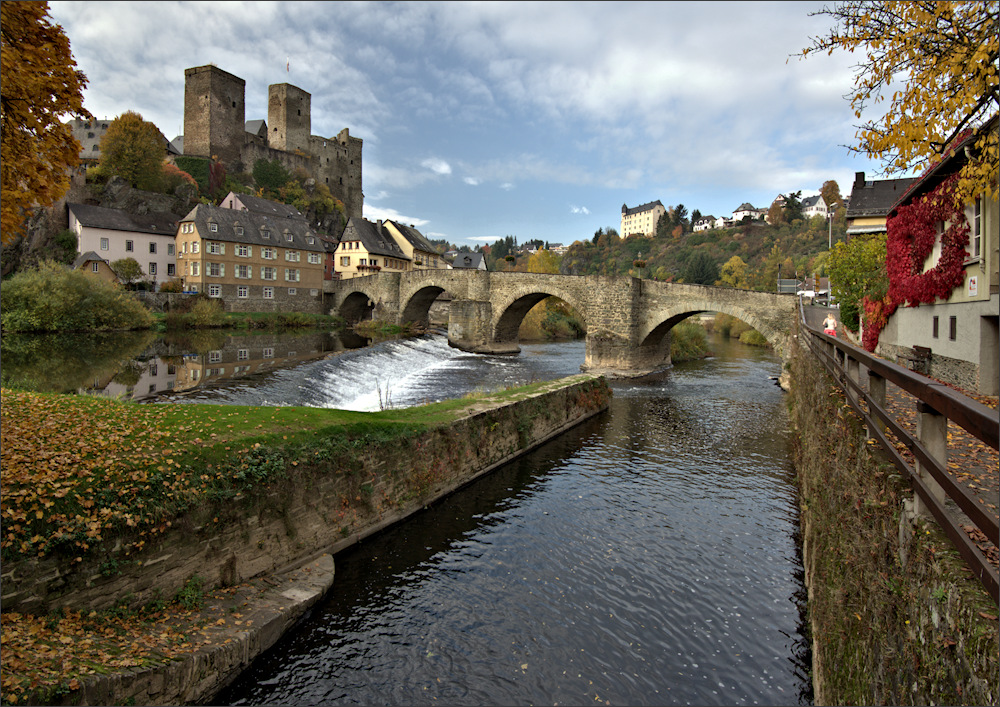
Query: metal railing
{"x": 936, "y": 405}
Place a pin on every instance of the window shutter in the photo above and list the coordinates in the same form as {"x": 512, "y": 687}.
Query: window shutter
{"x": 222, "y": 266}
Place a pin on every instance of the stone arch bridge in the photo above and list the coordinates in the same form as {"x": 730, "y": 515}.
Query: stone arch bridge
{"x": 628, "y": 320}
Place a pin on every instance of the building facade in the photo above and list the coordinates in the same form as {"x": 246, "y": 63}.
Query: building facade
{"x": 253, "y": 262}
{"x": 366, "y": 248}
{"x": 871, "y": 201}
{"x": 641, "y": 220}
{"x": 416, "y": 247}
{"x": 114, "y": 235}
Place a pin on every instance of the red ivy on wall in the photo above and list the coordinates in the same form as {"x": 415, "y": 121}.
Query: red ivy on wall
{"x": 912, "y": 233}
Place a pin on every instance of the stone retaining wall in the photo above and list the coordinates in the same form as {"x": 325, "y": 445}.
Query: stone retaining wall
{"x": 318, "y": 508}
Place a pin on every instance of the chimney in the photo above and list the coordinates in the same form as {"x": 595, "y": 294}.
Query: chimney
{"x": 859, "y": 180}
{"x": 379, "y": 222}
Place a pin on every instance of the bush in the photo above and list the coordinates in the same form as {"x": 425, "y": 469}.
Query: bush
{"x": 51, "y": 297}
{"x": 206, "y": 313}
{"x": 688, "y": 341}
{"x": 752, "y": 337}
{"x": 172, "y": 286}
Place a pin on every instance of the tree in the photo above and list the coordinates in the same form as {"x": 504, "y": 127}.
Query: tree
{"x": 734, "y": 274}
{"x": 793, "y": 206}
{"x": 830, "y": 191}
{"x": 39, "y": 84}
{"x": 133, "y": 149}
{"x": 936, "y": 64}
{"x": 270, "y": 175}
{"x": 544, "y": 261}
{"x": 701, "y": 269}
{"x": 856, "y": 269}
{"x": 127, "y": 270}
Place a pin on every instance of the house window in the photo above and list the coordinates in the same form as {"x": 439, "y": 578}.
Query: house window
{"x": 288, "y": 236}
{"x": 242, "y": 291}
{"x": 152, "y": 248}
{"x": 215, "y": 357}
{"x": 934, "y": 327}
{"x": 373, "y": 262}
{"x": 195, "y": 269}
{"x": 213, "y": 227}
{"x": 104, "y": 244}
{"x": 269, "y": 273}
{"x": 268, "y": 353}
{"x": 194, "y": 289}
{"x": 152, "y": 268}
{"x": 291, "y": 275}
{"x": 195, "y": 246}
{"x": 128, "y": 246}
{"x": 268, "y": 293}
{"x": 243, "y": 251}
{"x": 313, "y": 258}
{"x": 292, "y": 291}
{"x": 215, "y": 248}
{"x": 95, "y": 267}
{"x": 363, "y": 261}
{"x": 266, "y": 234}
{"x": 215, "y": 290}
{"x": 215, "y": 269}
{"x": 239, "y": 230}
{"x": 292, "y": 256}
{"x": 268, "y": 253}
{"x": 243, "y": 272}
{"x": 976, "y": 237}
{"x": 242, "y": 354}
{"x": 311, "y": 241}
{"x": 345, "y": 261}
{"x": 170, "y": 248}
{"x": 171, "y": 270}
{"x": 952, "y": 328}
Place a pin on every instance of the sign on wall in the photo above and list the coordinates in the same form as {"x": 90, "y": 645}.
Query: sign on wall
{"x": 973, "y": 287}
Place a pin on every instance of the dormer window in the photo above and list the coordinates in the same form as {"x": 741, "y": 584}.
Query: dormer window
{"x": 288, "y": 236}
{"x": 213, "y": 227}
{"x": 266, "y": 234}
{"x": 310, "y": 240}
{"x": 239, "y": 230}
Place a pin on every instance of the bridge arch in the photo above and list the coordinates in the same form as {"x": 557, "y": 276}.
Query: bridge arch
{"x": 654, "y": 334}
{"x": 356, "y": 307}
{"x": 510, "y": 308}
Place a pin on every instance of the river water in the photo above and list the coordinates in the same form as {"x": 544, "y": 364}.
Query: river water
{"x": 649, "y": 556}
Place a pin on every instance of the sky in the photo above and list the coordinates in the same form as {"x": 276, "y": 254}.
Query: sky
{"x": 534, "y": 120}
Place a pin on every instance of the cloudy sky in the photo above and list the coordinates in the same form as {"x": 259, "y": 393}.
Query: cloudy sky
{"x": 482, "y": 120}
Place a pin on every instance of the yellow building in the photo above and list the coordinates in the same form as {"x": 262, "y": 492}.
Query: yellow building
{"x": 418, "y": 249}
{"x": 253, "y": 262}
{"x": 641, "y": 220}
{"x": 366, "y": 248}
{"x": 871, "y": 201}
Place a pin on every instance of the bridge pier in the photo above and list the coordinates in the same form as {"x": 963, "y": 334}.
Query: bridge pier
{"x": 470, "y": 324}
{"x": 615, "y": 356}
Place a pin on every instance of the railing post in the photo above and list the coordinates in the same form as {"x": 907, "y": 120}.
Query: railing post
{"x": 854, "y": 373}
{"x": 932, "y": 431}
{"x": 876, "y": 391}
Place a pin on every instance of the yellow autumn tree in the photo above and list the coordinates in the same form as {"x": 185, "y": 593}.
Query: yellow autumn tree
{"x": 544, "y": 261}
{"x": 734, "y": 274}
{"x": 930, "y": 72}
{"x": 40, "y": 86}
{"x": 133, "y": 149}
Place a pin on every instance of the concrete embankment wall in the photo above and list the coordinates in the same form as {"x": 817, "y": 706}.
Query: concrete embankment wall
{"x": 896, "y": 618}
{"x": 316, "y": 508}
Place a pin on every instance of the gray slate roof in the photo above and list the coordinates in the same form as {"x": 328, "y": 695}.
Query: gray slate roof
{"x": 257, "y": 127}
{"x": 467, "y": 260}
{"x": 876, "y": 198}
{"x": 88, "y": 257}
{"x": 254, "y": 225}
{"x": 118, "y": 220}
{"x": 373, "y": 237}
{"x": 266, "y": 207}
{"x": 415, "y": 237}
{"x": 639, "y": 209}
{"x": 811, "y": 201}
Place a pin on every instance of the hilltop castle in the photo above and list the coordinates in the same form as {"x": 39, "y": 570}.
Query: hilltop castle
{"x": 215, "y": 125}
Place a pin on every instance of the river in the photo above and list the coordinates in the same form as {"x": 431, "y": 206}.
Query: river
{"x": 649, "y": 556}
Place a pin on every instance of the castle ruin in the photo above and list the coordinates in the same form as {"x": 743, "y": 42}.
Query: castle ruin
{"x": 215, "y": 127}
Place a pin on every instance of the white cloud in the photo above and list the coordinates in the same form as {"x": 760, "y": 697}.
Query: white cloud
{"x": 485, "y": 239}
{"x": 579, "y": 210}
{"x": 506, "y": 186}
{"x": 472, "y": 181}
{"x": 374, "y": 213}
{"x": 438, "y": 166}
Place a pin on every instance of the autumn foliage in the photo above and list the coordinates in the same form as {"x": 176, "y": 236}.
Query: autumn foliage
{"x": 40, "y": 86}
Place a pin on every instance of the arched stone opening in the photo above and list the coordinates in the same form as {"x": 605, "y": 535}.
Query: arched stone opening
{"x": 658, "y": 336}
{"x": 417, "y": 309}
{"x": 356, "y": 307}
{"x": 507, "y": 329}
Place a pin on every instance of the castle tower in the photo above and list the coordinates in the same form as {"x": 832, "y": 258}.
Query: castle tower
{"x": 288, "y": 117}
{"x": 214, "y": 113}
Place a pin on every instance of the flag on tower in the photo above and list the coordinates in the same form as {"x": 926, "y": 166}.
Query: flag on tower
{"x": 288, "y": 65}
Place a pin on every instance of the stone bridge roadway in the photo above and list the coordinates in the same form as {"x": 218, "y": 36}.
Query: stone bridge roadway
{"x": 628, "y": 321}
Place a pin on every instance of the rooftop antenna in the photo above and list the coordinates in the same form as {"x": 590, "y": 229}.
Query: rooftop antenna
{"x": 288, "y": 64}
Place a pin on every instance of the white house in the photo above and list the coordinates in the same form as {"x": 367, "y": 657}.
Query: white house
{"x": 814, "y": 206}
{"x": 961, "y": 327}
{"x": 744, "y": 210}
{"x": 114, "y": 234}
{"x": 704, "y": 224}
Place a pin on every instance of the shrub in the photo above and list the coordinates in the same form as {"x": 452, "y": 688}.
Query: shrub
{"x": 688, "y": 341}
{"x": 752, "y": 337}
{"x": 172, "y": 286}
{"x": 52, "y": 297}
{"x": 206, "y": 313}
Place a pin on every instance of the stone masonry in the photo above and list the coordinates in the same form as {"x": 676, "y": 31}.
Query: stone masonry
{"x": 628, "y": 320}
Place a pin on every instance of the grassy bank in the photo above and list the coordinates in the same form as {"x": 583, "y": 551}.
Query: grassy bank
{"x": 896, "y": 616}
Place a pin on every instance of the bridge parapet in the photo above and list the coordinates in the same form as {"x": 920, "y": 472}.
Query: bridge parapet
{"x": 628, "y": 320}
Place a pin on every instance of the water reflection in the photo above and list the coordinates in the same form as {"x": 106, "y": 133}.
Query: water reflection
{"x": 144, "y": 365}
